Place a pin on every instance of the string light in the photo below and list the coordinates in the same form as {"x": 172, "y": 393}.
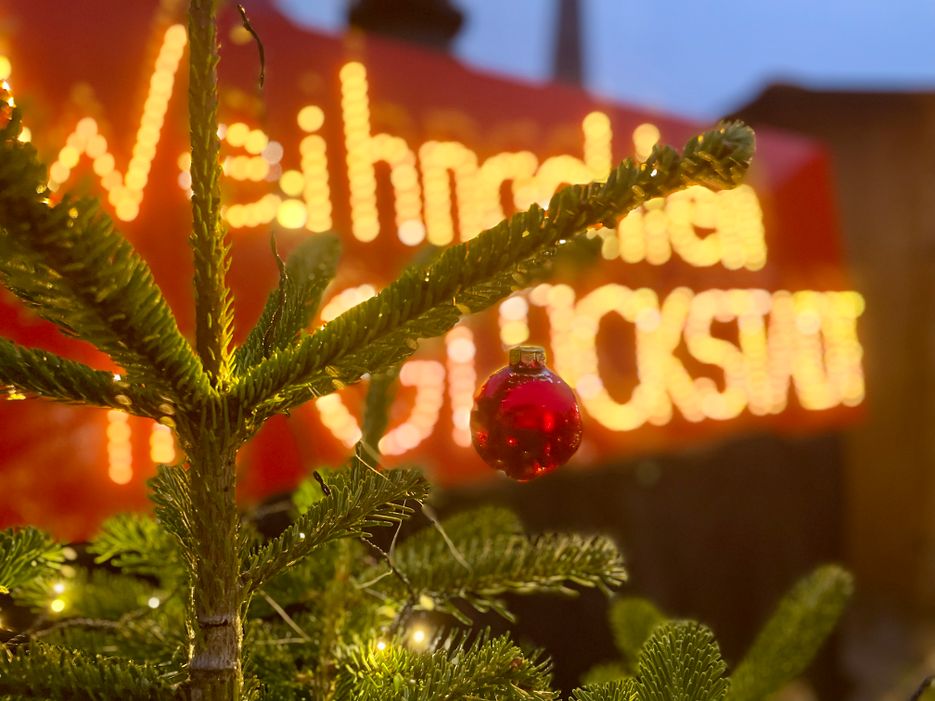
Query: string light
{"x": 784, "y": 342}
{"x": 419, "y": 638}
{"x": 805, "y": 340}
{"x": 337, "y": 419}
{"x": 514, "y": 327}
{"x": 598, "y": 137}
{"x": 462, "y": 381}
{"x": 346, "y": 299}
{"x": 317, "y": 191}
{"x": 364, "y": 150}
{"x": 161, "y": 445}
{"x": 125, "y": 191}
{"x": 731, "y": 222}
{"x": 645, "y": 136}
{"x": 428, "y": 379}
{"x": 153, "y": 602}
{"x": 119, "y": 447}
{"x": 437, "y": 159}
{"x": 517, "y": 167}
{"x": 651, "y": 233}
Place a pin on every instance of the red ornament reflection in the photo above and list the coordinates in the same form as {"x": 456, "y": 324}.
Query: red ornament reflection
{"x": 525, "y": 419}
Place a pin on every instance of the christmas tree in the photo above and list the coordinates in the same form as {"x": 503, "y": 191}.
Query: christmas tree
{"x": 197, "y": 602}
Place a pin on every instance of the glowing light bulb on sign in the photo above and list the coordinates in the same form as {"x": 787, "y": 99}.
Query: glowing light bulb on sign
{"x": 711, "y": 330}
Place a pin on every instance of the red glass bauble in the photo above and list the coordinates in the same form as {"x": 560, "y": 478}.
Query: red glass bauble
{"x": 525, "y": 419}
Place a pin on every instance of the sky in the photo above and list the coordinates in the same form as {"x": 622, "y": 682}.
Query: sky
{"x": 696, "y": 59}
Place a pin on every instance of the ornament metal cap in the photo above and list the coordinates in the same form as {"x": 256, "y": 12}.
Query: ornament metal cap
{"x": 527, "y": 356}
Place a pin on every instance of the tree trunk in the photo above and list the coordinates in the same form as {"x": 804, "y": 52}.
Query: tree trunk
{"x": 215, "y": 627}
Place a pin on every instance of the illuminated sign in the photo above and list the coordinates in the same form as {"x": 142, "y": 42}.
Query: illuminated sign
{"x": 708, "y": 313}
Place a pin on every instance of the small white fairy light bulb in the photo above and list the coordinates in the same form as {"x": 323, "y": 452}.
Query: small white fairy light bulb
{"x": 418, "y": 637}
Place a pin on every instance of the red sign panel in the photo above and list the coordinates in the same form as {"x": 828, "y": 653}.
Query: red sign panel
{"x": 708, "y": 313}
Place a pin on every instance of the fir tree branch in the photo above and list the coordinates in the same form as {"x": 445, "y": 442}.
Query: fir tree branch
{"x": 68, "y": 263}
{"x": 105, "y": 611}
{"x": 455, "y": 670}
{"x": 294, "y": 302}
{"x": 360, "y": 498}
{"x": 142, "y": 635}
{"x": 49, "y": 672}
{"x": 213, "y": 312}
{"x": 426, "y": 302}
{"x": 681, "y": 661}
{"x": 261, "y": 52}
{"x": 620, "y": 690}
{"x": 170, "y": 492}
{"x": 26, "y": 554}
{"x": 136, "y": 544}
{"x": 793, "y": 635}
{"x": 88, "y": 594}
{"x": 499, "y": 561}
{"x": 44, "y": 374}
{"x": 924, "y": 686}
{"x": 376, "y": 417}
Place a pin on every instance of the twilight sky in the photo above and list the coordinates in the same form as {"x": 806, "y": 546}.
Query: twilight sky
{"x": 696, "y": 59}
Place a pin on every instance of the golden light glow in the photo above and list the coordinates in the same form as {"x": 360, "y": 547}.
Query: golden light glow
{"x": 779, "y": 344}
{"x": 240, "y": 34}
{"x": 57, "y": 605}
{"x": 419, "y": 637}
{"x": 337, "y": 419}
{"x": 236, "y": 134}
{"x": 364, "y": 149}
{"x": 292, "y": 214}
{"x": 514, "y": 328}
{"x": 462, "y": 381}
{"x": 437, "y": 160}
{"x": 645, "y": 136}
{"x": 805, "y": 341}
{"x": 310, "y": 118}
{"x": 518, "y": 168}
{"x": 161, "y": 445}
{"x": 125, "y": 191}
{"x": 597, "y": 143}
{"x": 292, "y": 183}
{"x": 263, "y": 211}
{"x": 428, "y": 379}
{"x": 317, "y": 192}
{"x": 461, "y": 195}
{"x": 346, "y": 299}
{"x": 119, "y": 447}
{"x": 702, "y": 227}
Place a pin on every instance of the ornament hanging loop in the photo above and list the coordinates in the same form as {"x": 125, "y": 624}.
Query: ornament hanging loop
{"x": 531, "y": 357}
